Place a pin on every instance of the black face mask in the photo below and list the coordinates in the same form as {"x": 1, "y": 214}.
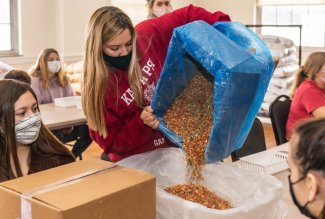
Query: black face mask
{"x": 303, "y": 209}
{"x": 120, "y": 62}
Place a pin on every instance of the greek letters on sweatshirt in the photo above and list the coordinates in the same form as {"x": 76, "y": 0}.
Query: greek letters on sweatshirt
{"x": 126, "y": 133}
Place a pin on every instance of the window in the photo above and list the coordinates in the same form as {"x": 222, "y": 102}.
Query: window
{"x": 311, "y": 17}
{"x": 8, "y": 28}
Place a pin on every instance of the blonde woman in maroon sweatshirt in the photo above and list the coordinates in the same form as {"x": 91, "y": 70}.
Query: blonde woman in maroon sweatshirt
{"x": 121, "y": 67}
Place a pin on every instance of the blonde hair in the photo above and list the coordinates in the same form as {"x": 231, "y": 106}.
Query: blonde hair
{"x": 105, "y": 24}
{"x": 312, "y": 66}
{"x": 150, "y": 6}
{"x": 41, "y": 70}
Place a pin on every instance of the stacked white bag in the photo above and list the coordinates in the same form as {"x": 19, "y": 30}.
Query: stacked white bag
{"x": 285, "y": 50}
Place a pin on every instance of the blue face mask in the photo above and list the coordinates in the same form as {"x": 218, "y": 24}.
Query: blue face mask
{"x": 119, "y": 62}
{"x": 302, "y": 208}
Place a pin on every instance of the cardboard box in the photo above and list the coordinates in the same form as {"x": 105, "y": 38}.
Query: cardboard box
{"x": 88, "y": 189}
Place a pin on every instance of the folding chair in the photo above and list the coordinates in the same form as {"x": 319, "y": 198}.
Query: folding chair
{"x": 279, "y": 111}
{"x": 255, "y": 142}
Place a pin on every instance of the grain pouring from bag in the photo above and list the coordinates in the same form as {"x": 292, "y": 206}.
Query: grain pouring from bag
{"x": 190, "y": 117}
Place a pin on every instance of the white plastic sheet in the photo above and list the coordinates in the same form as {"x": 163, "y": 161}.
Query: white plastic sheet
{"x": 253, "y": 194}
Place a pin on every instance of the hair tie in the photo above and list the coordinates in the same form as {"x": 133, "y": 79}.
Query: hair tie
{"x": 304, "y": 74}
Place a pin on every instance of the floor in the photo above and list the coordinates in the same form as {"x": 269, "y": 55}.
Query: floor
{"x": 94, "y": 150}
{"x": 269, "y": 136}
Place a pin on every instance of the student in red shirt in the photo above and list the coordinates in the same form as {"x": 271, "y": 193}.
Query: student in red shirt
{"x": 121, "y": 67}
{"x": 308, "y": 91}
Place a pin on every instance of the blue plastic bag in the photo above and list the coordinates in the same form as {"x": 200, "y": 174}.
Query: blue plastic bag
{"x": 241, "y": 65}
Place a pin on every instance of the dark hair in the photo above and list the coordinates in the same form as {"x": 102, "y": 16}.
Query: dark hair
{"x": 45, "y": 145}
{"x": 19, "y": 75}
{"x": 310, "y": 149}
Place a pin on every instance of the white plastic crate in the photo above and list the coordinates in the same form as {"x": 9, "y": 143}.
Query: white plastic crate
{"x": 268, "y": 162}
{"x": 79, "y": 105}
{"x": 71, "y": 101}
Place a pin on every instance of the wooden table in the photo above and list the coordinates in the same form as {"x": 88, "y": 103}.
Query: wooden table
{"x": 55, "y": 117}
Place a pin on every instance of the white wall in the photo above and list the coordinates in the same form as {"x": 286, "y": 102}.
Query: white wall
{"x": 76, "y": 16}
{"x": 61, "y": 23}
{"x": 135, "y": 9}
{"x": 38, "y": 26}
{"x": 181, "y": 3}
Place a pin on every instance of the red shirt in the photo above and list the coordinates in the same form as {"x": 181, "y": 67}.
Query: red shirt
{"x": 126, "y": 133}
{"x": 308, "y": 97}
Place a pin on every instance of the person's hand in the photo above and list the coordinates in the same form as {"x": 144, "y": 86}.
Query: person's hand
{"x": 149, "y": 118}
{"x": 67, "y": 130}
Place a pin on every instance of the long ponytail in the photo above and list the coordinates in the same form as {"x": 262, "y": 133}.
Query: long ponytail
{"x": 309, "y": 70}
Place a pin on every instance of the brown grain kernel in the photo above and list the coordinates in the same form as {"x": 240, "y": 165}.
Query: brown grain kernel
{"x": 199, "y": 194}
{"x": 190, "y": 117}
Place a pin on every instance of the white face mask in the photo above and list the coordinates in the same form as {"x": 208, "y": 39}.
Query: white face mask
{"x": 161, "y": 11}
{"x": 27, "y": 130}
{"x": 54, "y": 66}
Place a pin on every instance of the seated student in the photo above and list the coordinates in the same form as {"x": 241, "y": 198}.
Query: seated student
{"x": 49, "y": 82}
{"x": 157, "y": 8}
{"x": 26, "y": 145}
{"x": 19, "y": 75}
{"x": 307, "y": 166}
{"x": 308, "y": 91}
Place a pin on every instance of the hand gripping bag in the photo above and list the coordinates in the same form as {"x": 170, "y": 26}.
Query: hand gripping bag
{"x": 241, "y": 66}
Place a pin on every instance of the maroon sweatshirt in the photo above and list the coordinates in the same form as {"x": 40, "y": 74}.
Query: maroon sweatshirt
{"x": 126, "y": 133}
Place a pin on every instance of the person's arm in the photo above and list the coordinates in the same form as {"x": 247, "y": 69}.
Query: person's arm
{"x": 35, "y": 84}
{"x": 179, "y": 17}
{"x": 122, "y": 135}
{"x": 193, "y": 13}
{"x": 154, "y": 34}
{"x": 314, "y": 102}
{"x": 319, "y": 112}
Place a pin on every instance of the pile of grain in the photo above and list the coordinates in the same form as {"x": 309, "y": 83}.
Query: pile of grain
{"x": 199, "y": 194}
